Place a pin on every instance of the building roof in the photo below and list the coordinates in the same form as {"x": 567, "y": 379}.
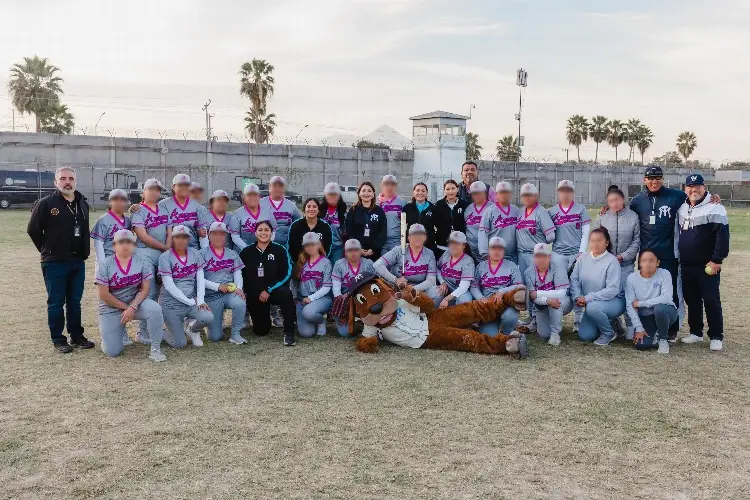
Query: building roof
{"x": 439, "y": 114}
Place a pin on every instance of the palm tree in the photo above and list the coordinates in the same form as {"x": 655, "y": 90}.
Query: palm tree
{"x": 645, "y": 140}
{"x": 577, "y": 132}
{"x": 615, "y": 135}
{"x": 57, "y": 120}
{"x": 598, "y": 132}
{"x": 686, "y": 144}
{"x": 260, "y": 126}
{"x": 507, "y": 149}
{"x": 473, "y": 149}
{"x": 632, "y": 129}
{"x": 256, "y": 83}
{"x": 34, "y": 87}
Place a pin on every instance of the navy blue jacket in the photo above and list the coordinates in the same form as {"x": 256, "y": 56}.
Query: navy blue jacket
{"x": 664, "y": 205}
{"x": 703, "y": 233}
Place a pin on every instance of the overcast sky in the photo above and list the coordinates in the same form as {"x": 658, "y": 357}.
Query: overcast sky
{"x": 349, "y": 66}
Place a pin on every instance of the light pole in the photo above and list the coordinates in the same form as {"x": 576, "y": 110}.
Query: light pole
{"x": 300, "y": 131}
{"x": 521, "y": 82}
{"x": 97, "y": 121}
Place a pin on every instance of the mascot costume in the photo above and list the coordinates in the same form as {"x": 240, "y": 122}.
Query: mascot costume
{"x": 409, "y": 319}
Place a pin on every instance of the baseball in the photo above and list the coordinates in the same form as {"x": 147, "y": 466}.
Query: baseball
{"x": 709, "y": 270}
{"x": 231, "y": 287}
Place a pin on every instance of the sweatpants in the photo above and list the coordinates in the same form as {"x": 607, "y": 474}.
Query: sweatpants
{"x": 153, "y": 290}
{"x": 702, "y": 291}
{"x": 174, "y": 316}
{"x": 549, "y": 320}
{"x": 309, "y": 316}
{"x": 260, "y": 312}
{"x": 463, "y": 299}
{"x": 673, "y": 266}
{"x": 565, "y": 262}
{"x": 506, "y": 323}
{"x": 218, "y": 304}
{"x": 597, "y": 318}
{"x": 112, "y": 330}
{"x": 656, "y": 325}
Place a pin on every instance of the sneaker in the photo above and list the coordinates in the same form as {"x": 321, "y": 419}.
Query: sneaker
{"x": 127, "y": 341}
{"x": 321, "y": 329}
{"x": 157, "y": 355}
{"x": 716, "y": 345}
{"x": 63, "y": 347}
{"x": 554, "y": 339}
{"x": 142, "y": 338}
{"x": 604, "y": 340}
{"x": 672, "y": 337}
{"x": 248, "y": 323}
{"x": 289, "y": 340}
{"x": 277, "y": 322}
{"x": 237, "y": 339}
{"x": 691, "y": 339}
{"x": 82, "y": 342}
{"x": 195, "y": 338}
{"x": 663, "y": 347}
{"x": 618, "y": 329}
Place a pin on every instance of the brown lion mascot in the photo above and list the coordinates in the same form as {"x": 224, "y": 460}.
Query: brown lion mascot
{"x": 410, "y": 319}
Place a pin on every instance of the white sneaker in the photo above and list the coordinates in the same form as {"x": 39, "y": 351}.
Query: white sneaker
{"x": 321, "y": 329}
{"x": 554, "y": 339}
{"x": 239, "y": 340}
{"x": 663, "y": 346}
{"x": 126, "y": 340}
{"x": 691, "y": 339}
{"x": 716, "y": 345}
{"x": 143, "y": 338}
{"x": 195, "y": 338}
{"x": 157, "y": 355}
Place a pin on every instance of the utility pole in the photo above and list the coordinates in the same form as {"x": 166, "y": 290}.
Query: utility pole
{"x": 209, "y": 134}
{"x": 14, "y": 119}
{"x": 567, "y": 154}
{"x": 521, "y": 81}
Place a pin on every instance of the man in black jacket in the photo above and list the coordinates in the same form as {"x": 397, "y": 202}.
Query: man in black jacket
{"x": 470, "y": 174}
{"x": 59, "y": 228}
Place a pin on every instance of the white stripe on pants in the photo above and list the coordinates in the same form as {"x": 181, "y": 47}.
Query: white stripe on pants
{"x": 174, "y": 316}
{"x": 549, "y": 320}
{"x": 565, "y": 261}
{"x": 112, "y": 330}
{"x": 218, "y": 304}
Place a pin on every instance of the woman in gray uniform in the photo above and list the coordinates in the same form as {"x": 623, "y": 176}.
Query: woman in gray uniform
{"x": 251, "y": 213}
{"x": 218, "y": 211}
{"x": 313, "y": 292}
{"x": 123, "y": 286}
{"x": 283, "y": 211}
{"x": 417, "y": 267}
{"x": 477, "y": 212}
{"x": 548, "y": 285}
{"x": 344, "y": 271}
{"x": 455, "y": 273}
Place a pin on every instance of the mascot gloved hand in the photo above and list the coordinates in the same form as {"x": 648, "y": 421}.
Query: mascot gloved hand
{"x": 410, "y": 319}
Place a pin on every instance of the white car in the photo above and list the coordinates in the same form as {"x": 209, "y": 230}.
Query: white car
{"x": 349, "y": 194}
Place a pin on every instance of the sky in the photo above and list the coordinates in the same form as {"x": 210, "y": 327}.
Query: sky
{"x": 349, "y": 66}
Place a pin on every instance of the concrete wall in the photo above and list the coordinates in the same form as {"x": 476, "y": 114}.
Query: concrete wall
{"x": 732, "y": 175}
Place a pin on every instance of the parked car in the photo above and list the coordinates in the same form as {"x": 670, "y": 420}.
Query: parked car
{"x": 18, "y": 187}
{"x": 349, "y": 194}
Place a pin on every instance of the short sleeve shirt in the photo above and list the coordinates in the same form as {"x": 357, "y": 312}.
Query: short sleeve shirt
{"x": 314, "y": 276}
{"x": 208, "y": 217}
{"x": 393, "y": 209}
{"x": 554, "y": 279}
{"x": 345, "y": 273}
{"x": 473, "y": 216}
{"x": 532, "y": 228}
{"x": 105, "y": 228}
{"x": 417, "y": 267}
{"x": 182, "y": 270}
{"x": 220, "y": 267}
{"x": 453, "y": 272}
{"x": 248, "y": 220}
{"x": 123, "y": 282}
{"x": 491, "y": 280}
{"x": 188, "y": 215}
{"x": 284, "y": 212}
{"x": 502, "y": 222}
{"x": 568, "y": 227}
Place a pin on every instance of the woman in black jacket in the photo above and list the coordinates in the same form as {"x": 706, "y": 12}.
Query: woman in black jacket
{"x": 266, "y": 281}
{"x": 309, "y": 223}
{"x": 422, "y": 211}
{"x": 366, "y": 222}
{"x": 449, "y": 216}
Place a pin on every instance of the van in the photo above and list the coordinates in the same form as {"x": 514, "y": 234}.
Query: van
{"x": 19, "y": 187}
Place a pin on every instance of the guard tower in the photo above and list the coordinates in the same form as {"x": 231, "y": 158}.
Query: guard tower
{"x": 439, "y": 148}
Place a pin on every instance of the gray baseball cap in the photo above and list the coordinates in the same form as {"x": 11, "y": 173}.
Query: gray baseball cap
{"x": 477, "y": 187}
{"x": 496, "y": 241}
{"x": 417, "y": 229}
{"x": 217, "y": 226}
{"x": 150, "y": 183}
{"x": 310, "y": 239}
{"x": 118, "y": 193}
{"x": 352, "y": 244}
{"x": 457, "y": 237}
{"x": 124, "y": 235}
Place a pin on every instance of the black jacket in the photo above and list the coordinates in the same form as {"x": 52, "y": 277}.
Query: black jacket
{"x": 428, "y": 218}
{"x": 663, "y": 205}
{"x": 358, "y": 218}
{"x": 52, "y": 224}
{"x": 298, "y": 229}
{"x": 448, "y": 220}
{"x": 277, "y": 268}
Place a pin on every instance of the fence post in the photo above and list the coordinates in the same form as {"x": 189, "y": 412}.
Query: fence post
{"x": 93, "y": 200}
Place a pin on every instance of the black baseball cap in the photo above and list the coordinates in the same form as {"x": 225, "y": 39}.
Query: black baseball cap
{"x": 654, "y": 171}
{"x": 361, "y": 279}
{"x": 694, "y": 180}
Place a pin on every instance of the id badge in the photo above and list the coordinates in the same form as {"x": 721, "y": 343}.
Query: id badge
{"x": 261, "y": 272}
{"x": 652, "y": 220}
{"x": 686, "y": 225}
{"x": 367, "y": 232}
{"x": 76, "y": 231}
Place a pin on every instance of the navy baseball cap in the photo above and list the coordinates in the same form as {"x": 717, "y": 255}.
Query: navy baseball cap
{"x": 694, "y": 180}
{"x": 361, "y": 279}
{"x": 654, "y": 171}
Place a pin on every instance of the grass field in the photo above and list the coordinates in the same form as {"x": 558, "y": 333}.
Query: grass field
{"x": 323, "y": 421}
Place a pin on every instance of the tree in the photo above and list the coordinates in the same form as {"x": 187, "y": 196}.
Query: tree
{"x": 577, "y": 132}
{"x": 364, "y": 144}
{"x": 507, "y": 149}
{"x": 669, "y": 158}
{"x": 257, "y": 84}
{"x": 615, "y": 134}
{"x": 645, "y": 140}
{"x": 34, "y": 87}
{"x": 57, "y": 120}
{"x": 598, "y": 132}
{"x": 473, "y": 149}
{"x": 686, "y": 144}
{"x": 632, "y": 129}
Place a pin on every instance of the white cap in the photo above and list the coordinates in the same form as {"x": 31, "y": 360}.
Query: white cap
{"x": 124, "y": 235}
{"x": 219, "y": 193}
{"x": 352, "y": 244}
{"x": 118, "y": 193}
{"x": 215, "y": 226}
{"x": 251, "y": 188}
{"x": 331, "y": 188}
{"x": 496, "y": 241}
{"x": 180, "y": 179}
{"x": 529, "y": 189}
{"x": 277, "y": 179}
{"x": 310, "y": 238}
{"x": 543, "y": 249}
{"x": 565, "y": 184}
{"x": 477, "y": 187}
{"x": 457, "y": 237}
{"x": 389, "y": 178}
{"x": 504, "y": 187}
{"x": 150, "y": 183}
{"x": 195, "y": 185}
{"x": 180, "y": 230}
{"x": 417, "y": 229}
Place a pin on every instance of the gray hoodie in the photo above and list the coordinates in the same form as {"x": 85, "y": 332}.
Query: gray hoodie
{"x": 649, "y": 292}
{"x": 625, "y": 232}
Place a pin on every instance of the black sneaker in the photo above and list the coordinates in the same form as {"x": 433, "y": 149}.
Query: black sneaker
{"x": 63, "y": 347}
{"x": 82, "y": 342}
{"x": 672, "y": 337}
{"x": 289, "y": 340}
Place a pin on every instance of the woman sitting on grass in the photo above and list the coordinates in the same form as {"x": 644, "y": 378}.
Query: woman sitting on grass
{"x": 416, "y": 266}
{"x": 344, "y": 272}
{"x": 313, "y": 291}
{"x": 547, "y": 283}
{"x": 455, "y": 273}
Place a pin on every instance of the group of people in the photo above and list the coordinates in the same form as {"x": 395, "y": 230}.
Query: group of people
{"x": 175, "y": 265}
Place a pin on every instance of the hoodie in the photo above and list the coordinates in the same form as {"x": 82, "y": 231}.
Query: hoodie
{"x": 702, "y": 233}
{"x": 624, "y": 232}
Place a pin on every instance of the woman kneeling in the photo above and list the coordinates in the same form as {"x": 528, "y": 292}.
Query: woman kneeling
{"x": 548, "y": 285}
{"x": 314, "y": 289}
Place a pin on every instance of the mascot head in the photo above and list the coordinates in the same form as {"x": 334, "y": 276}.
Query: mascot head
{"x": 370, "y": 299}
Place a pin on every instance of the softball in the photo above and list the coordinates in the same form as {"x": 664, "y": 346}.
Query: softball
{"x": 709, "y": 270}
{"x": 231, "y": 287}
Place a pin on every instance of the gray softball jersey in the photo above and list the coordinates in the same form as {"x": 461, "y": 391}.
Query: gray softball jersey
{"x": 219, "y": 267}
{"x": 568, "y": 227}
{"x": 532, "y": 228}
{"x": 284, "y": 212}
{"x": 105, "y": 228}
{"x": 314, "y": 276}
{"x": 182, "y": 271}
{"x": 489, "y": 281}
{"x": 502, "y": 222}
{"x": 332, "y": 218}
{"x": 248, "y": 221}
{"x": 473, "y": 217}
{"x": 155, "y": 223}
{"x": 554, "y": 279}
{"x": 208, "y": 217}
{"x": 345, "y": 273}
{"x": 123, "y": 283}
{"x": 393, "y": 209}
{"x": 188, "y": 215}
{"x": 415, "y": 269}
{"x": 453, "y": 272}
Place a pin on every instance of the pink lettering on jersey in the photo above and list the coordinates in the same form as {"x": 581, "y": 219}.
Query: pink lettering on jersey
{"x": 489, "y": 281}
{"x": 527, "y": 224}
{"x": 117, "y": 281}
{"x": 183, "y": 217}
{"x": 182, "y": 271}
{"x": 214, "y": 265}
{"x": 308, "y": 275}
{"x": 560, "y": 219}
{"x": 503, "y": 222}
{"x": 155, "y": 220}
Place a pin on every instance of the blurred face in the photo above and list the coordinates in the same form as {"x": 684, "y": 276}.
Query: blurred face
{"x": 354, "y": 255}
{"x": 648, "y": 263}
{"x": 456, "y": 249}
{"x": 65, "y": 181}
{"x": 541, "y": 261}
{"x": 181, "y": 191}
{"x": 504, "y": 197}
{"x": 311, "y": 249}
{"x": 366, "y": 193}
{"x": 311, "y": 209}
{"x": 597, "y": 243}
{"x": 180, "y": 242}
{"x": 420, "y": 193}
{"x": 653, "y": 184}
{"x": 388, "y": 189}
{"x": 565, "y": 196}
{"x": 220, "y": 205}
{"x": 615, "y": 202}
{"x": 277, "y": 190}
{"x": 529, "y": 200}
{"x": 263, "y": 233}
{"x": 479, "y": 198}
{"x": 217, "y": 239}
{"x": 450, "y": 191}
{"x": 333, "y": 199}
{"x": 497, "y": 253}
{"x": 197, "y": 195}
{"x": 417, "y": 240}
{"x": 695, "y": 193}
{"x": 252, "y": 200}
{"x": 118, "y": 205}
{"x": 152, "y": 195}
{"x": 469, "y": 174}
{"x": 124, "y": 249}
